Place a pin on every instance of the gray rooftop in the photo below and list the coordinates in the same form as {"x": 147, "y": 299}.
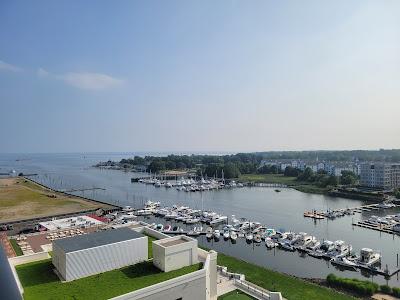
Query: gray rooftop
{"x": 97, "y": 239}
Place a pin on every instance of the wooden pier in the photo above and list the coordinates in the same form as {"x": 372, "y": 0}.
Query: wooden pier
{"x": 381, "y": 228}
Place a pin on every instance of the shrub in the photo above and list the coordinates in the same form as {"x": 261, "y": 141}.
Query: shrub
{"x": 396, "y": 292}
{"x": 361, "y": 287}
{"x": 386, "y": 289}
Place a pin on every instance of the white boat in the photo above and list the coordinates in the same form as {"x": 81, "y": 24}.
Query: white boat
{"x": 226, "y": 234}
{"x": 369, "y": 257}
{"x": 167, "y": 228}
{"x": 270, "y": 243}
{"x": 220, "y": 219}
{"x": 302, "y": 240}
{"x": 217, "y": 234}
{"x": 324, "y": 248}
{"x": 341, "y": 249}
{"x": 344, "y": 262}
{"x": 249, "y": 237}
{"x": 233, "y": 236}
{"x": 192, "y": 221}
{"x": 127, "y": 208}
{"x": 168, "y": 185}
{"x": 209, "y": 233}
{"x": 257, "y": 238}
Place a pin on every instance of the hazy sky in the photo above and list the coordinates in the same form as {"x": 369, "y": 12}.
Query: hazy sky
{"x": 199, "y": 75}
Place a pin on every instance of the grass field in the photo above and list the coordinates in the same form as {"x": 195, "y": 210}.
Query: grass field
{"x": 150, "y": 246}
{"x": 305, "y": 187}
{"x": 235, "y": 295}
{"x": 23, "y": 199}
{"x": 16, "y": 248}
{"x": 41, "y": 283}
{"x": 291, "y": 288}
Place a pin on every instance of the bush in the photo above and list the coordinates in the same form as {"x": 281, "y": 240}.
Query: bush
{"x": 396, "y": 292}
{"x": 386, "y": 289}
{"x": 361, "y": 287}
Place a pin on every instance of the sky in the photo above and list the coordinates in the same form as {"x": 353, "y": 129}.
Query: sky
{"x": 95, "y": 76}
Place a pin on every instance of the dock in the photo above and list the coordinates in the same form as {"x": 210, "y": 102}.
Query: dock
{"x": 381, "y": 228}
{"x": 83, "y": 190}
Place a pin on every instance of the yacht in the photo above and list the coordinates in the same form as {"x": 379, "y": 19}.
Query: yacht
{"x": 302, "y": 241}
{"x": 341, "y": 249}
{"x": 249, "y": 237}
{"x": 269, "y": 242}
{"x": 233, "y": 236}
{"x": 226, "y": 234}
{"x": 368, "y": 257}
{"x": 313, "y": 245}
{"x": 217, "y": 234}
{"x": 324, "y": 248}
{"x": 344, "y": 262}
{"x": 257, "y": 238}
{"x": 209, "y": 233}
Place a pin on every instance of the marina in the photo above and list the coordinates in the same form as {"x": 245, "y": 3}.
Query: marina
{"x": 279, "y": 210}
{"x": 338, "y": 252}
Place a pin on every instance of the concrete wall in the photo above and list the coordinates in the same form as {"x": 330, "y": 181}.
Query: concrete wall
{"x": 175, "y": 256}
{"x": 24, "y": 259}
{"x": 104, "y": 258}
{"x": 191, "y": 287}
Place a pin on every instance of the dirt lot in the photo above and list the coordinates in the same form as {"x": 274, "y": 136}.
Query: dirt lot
{"x": 23, "y": 199}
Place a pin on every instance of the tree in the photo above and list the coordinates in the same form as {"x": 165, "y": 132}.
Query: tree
{"x": 157, "y": 166}
{"x": 306, "y": 175}
{"x": 291, "y": 172}
{"x": 397, "y": 193}
{"x": 348, "y": 178}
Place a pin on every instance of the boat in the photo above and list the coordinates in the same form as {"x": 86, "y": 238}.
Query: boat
{"x": 249, "y": 237}
{"x": 340, "y": 249}
{"x": 160, "y": 227}
{"x": 278, "y": 191}
{"x": 127, "y": 208}
{"x": 167, "y": 228}
{"x": 217, "y": 234}
{"x": 233, "y": 236}
{"x": 193, "y": 232}
{"x": 220, "y": 219}
{"x": 226, "y": 234}
{"x": 168, "y": 185}
{"x": 313, "y": 245}
{"x": 324, "y": 248}
{"x": 344, "y": 262}
{"x": 192, "y": 221}
{"x": 257, "y": 238}
{"x": 302, "y": 241}
{"x": 209, "y": 233}
{"x": 369, "y": 257}
{"x": 269, "y": 242}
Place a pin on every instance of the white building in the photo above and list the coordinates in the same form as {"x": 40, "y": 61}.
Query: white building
{"x": 174, "y": 253}
{"x": 98, "y": 252}
{"x": 384, "y": 176}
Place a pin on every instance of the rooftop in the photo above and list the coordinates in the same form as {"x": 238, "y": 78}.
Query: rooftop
{"x": 97, "y": 239}
{"x": 173, "y": 241}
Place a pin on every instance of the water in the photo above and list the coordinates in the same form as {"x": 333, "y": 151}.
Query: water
{"x": 282, "y": 210}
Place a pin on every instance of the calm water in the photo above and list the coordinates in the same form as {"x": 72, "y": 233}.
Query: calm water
{"x": 278, "y": 210}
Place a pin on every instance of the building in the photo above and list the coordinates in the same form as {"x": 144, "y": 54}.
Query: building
{"x": 98, "y": 252}
{"x": 9, "y": 289}
{"x": 385, "y": 176}
{"x": 174, "y": 253}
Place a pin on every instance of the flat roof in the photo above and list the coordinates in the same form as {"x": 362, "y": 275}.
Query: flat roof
{"x": 176, "y": 240}
{"x": 96, "y": 239}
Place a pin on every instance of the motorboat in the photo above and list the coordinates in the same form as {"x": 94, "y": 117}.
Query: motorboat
{"x": 340, "y": 249}
{"x": 167, "y": 228}
{"x": 160, "y": 227}
{"x": 302, "y": 241}
{"x": 344, "y": 262}
{"x": 192, "y": 221}
{"x": 269, "y": 242}
{"x": 324, "y": 248}
{"x": 217, "y": 234}
{"x": 209, "y": 233}
{"x": 257, "y": 238}
{"x": 168, "y": 185}
{"x": 249, "y": 237}
{"x": 226, "y": 234}
{"x": 233, "y": 236}
{"x": 127, "y": 208}
{"x": 313, "y": 245}
{"x": 369, "y": 257}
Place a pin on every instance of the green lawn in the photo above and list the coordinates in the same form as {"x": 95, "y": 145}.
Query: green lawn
{"x": 16, "y": 247}
{"x": 41, "y": 283}
{"x": 301, "y": 186}
{"x": 290, "y": 287}
{"x": 235, "y": 295}
{"x": 150, "y": 245}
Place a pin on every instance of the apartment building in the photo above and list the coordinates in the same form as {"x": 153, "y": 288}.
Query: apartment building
{"x": 384, "y": 176}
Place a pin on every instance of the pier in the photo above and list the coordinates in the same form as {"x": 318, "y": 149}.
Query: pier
{"x": 83, "y": 190}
